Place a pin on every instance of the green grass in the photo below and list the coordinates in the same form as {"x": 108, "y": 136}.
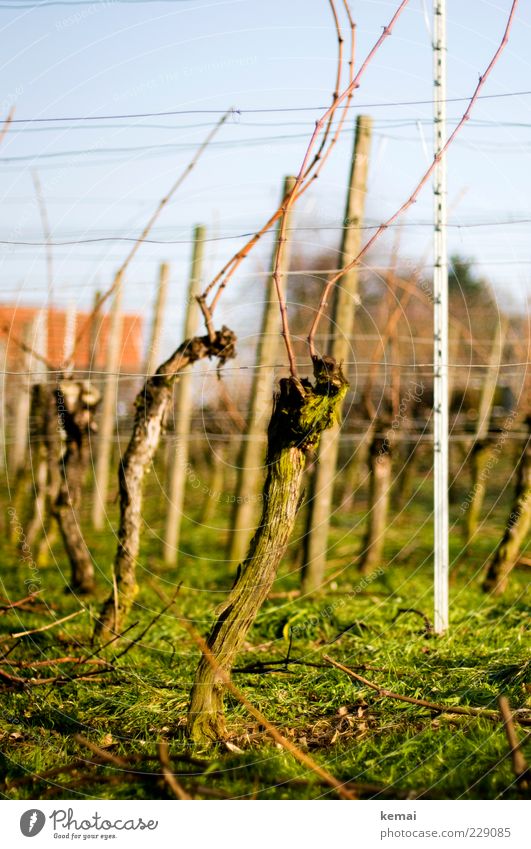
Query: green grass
{"x": 345, "y": 726}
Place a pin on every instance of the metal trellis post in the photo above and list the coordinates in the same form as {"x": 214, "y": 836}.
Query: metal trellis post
{"x": 440, "y": 348}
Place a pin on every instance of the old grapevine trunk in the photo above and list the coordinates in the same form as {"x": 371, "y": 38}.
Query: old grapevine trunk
{"x": 152, "y": 402}
{"x": 301, "y": 413}
{"x": 506, "y": 555}
{"x": 45, "y": 446}
{"x": 75, "y": 404}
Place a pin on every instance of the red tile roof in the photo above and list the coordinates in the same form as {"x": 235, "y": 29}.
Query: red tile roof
{"x": 17, "y": 321}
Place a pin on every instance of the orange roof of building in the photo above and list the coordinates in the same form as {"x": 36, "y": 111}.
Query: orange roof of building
{"x": 46, "y": 330}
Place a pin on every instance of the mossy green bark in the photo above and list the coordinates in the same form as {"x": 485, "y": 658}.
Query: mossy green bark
{"x": 301, "y": 413}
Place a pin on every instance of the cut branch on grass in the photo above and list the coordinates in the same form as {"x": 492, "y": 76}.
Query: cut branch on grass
{"x": 152, "y": 404}
{"x": 12, "y": 605}
{"x": 53, "y": 661}
{"x": 176, "y": 788}
{"x": 105, "y": 756}
{"x": 24, "y": 683}
{"x": 50, "y": 625}
{"x": 428, "y": 627}
{"x": 148, "y": 627}
{"x": 464, "y": 710}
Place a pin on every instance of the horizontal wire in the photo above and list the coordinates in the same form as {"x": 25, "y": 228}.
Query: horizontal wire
{"x": 10, "y": 163}
{"x": 413, "y": 368}
{"x": 512, "y": 146}
{"x": 263, "y": 110}
{"x": 393, "y": 123}
{"x": 407, "y": 435}
{"x": 302, "y": 229}
{"x": 229, "y": 237}
{"x": 398, "y": 437}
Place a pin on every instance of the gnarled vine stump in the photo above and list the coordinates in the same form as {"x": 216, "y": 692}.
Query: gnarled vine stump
{"x": 301, "y": 412}
{"x": 75, "y": 404}
{"x": 45, "y": 448}
{"x": 152, "y": 403}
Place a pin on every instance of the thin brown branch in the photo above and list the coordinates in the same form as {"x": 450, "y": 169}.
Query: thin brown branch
{"x": 464, "y": 710}
{"x": 53, "y": 661}
{"x": 105, "y": 756}
{"x": 4, "y": 608}
{"x": 7, "y": 124}
{"x": 420, "y": 185}
{"x": 50, "y": 625}
{"x": 12, "y": 679}
{"x": 345, "y": 110}
{"x": 41, "y": 203}
{"x": 390, "y": 326}
{"x": 148, "y": 627}
{"x": 44, "y": 776}
{"x": 335, "y": 94}
{"x": 145, "y": 232}
{"x": 178, "y": 791}
{"x": 305, "y": 177}
{"x": 27, "y": 349}
{"x": 18, "y": 681}
{"x": 286, "y": 744}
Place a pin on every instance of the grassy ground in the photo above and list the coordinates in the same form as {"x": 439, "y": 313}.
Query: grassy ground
{"x": 401, "y": 749}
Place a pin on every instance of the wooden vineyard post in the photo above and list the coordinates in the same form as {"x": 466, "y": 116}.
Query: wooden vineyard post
{"x": 251, "y": 455}
{"x": 380, "y": 479}
{"x": 517, "y": 528}
{"x": 110, "y": 397}
{"x": 342, "y": 324}
{"x": 183, "y": 407}
{"x": 35, "y": 338}
{"x": 482, "y": 448}
{"x": 70, "y": 335}
{"x": 158, "y": 320}
{"x": 94, "y": 334}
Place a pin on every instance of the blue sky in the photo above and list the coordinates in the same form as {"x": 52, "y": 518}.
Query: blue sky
{"x": 116, "y": 58}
